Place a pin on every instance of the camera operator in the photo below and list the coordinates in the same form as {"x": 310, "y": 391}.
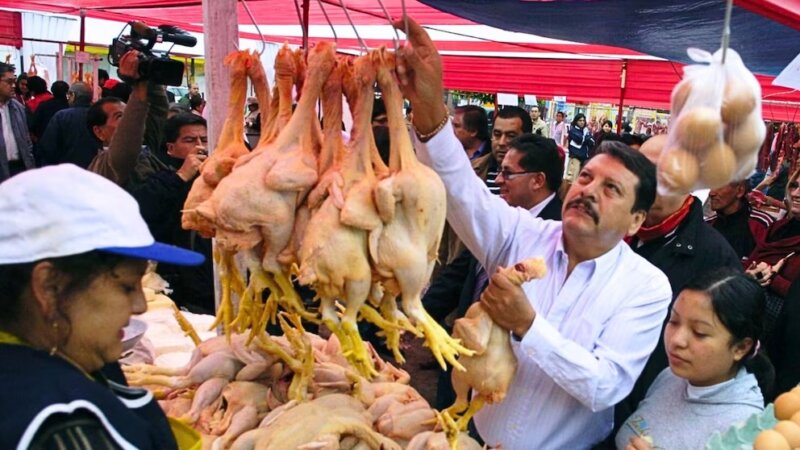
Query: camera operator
{"x": 129, "y": 133}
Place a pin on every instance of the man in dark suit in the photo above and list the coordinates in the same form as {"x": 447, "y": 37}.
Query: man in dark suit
{"x": 529, "y": 178}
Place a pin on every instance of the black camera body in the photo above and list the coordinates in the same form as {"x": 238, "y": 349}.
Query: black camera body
{"x": 159, "y": 69}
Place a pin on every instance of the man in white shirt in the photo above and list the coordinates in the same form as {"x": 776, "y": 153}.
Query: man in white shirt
{"x": 16, "y": 150}
{"x": 581, "y": 334}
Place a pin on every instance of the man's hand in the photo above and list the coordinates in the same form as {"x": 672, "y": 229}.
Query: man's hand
{"x": 638, "y": 443}
{"x": 419, "y": 70}
{"x": 191, "y": 165}
{"x": 129, "y": 65}
{"x": 507, "y": 304}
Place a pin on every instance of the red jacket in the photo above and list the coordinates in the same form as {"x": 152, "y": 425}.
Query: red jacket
{"x": 36, "y": 100}
{"x": 771, "y": 251}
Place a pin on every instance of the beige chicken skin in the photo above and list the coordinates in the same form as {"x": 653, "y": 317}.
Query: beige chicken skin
{"x": 254, "y": 208}
{"x": 334, "y": 257}
{"x": 490, "y": 371}
{"x": 411, "y": 203}
{"x": 318, "y": 424}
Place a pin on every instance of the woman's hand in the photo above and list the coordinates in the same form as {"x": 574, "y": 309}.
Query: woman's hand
{"x": 762, "y": 272}
{"x": 638, "y": 443}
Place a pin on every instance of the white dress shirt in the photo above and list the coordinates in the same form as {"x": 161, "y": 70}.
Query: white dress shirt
{"x": 12, "y": 151}
{"x": 593, "y": 331}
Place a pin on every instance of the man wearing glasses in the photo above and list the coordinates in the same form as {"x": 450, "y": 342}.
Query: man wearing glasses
{"x": 16, "y": 150}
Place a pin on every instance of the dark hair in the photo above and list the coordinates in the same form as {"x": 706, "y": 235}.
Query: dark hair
{"x": 102, "y": 74}
{"x": 22, "y": 77}
{"x": 540, "y": 154}
{"x": 173, "y": 127}
{"x": 378, "y": 108}
{"x": 631, "y": 139}
{"x": 59, "y": 89}
{"x": 177, "y": 108}
{"x": 81, "y": 270}
{"x": 5, "y": 68}
{"x": 740, "y": 303}
{"x": 607, "y": 137}
{"x": 96, "y": 115}
{"x": 560, "y": 112}
{"x": 642, "y": 168}
{"x": 195, "y": 101}
{"x": 510, "y": 112}
{"x": 475, "y": 119}
{"x": 37, "y": 85}
{"x": 381, "y": 134}
{"x": 120, "y": 90}
{"x": 577, "y": 118}
{"x": 607, "y": 122}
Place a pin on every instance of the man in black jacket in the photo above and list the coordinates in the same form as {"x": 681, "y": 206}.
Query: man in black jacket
{"x": 529, "y": 178}
{"x": 675, "y": 239}
{"x": 67, "y": 139}
{"x": 161, "y": 200}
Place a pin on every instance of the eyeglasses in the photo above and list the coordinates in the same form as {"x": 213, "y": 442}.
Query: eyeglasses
{"x": 509, "y": 175}
{"x": 10, "y": 81}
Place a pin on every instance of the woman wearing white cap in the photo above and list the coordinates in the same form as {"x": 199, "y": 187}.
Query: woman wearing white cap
{"x": 73, "y": 249}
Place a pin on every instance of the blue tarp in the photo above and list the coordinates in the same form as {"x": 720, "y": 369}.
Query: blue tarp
{"x": 663, "y": 28}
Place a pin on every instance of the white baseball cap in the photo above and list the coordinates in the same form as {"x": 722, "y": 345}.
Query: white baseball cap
{"x": 64, "y": 210}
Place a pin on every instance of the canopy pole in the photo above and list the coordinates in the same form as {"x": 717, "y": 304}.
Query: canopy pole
{"x": 82, "y": 43}
{"x": 623, "y": 78}
{"x": 222, "y": 17}
{"x": 306, "y": 5}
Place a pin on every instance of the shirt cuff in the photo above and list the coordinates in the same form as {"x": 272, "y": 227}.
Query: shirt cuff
{"x": 540, "y": 341}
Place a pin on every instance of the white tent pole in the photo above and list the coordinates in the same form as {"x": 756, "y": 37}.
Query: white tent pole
{"x": 221, "y": 17}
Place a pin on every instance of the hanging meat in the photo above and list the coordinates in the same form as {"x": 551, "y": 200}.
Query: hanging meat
{"x": 254, "y": 207}
{"x": 230, "y": 145}
{"x": 411, "y": 203}
{"x": 334, "y": 259}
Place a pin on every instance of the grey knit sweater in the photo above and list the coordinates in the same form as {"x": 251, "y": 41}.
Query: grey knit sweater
{"x": 679, "y": 416}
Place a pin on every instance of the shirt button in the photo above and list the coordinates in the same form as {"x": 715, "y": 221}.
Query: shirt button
{"x": 678, "y": 245}
{"x": 689, "y": 247}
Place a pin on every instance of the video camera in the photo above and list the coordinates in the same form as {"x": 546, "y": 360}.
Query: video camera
{"x": 159, "y": 69}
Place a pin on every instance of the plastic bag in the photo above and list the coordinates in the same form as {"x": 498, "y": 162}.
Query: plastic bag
{"x": 715, "y": 128}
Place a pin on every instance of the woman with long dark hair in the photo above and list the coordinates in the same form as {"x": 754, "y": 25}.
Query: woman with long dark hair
{"x": 580, "y": 143}
{"x": 717, "y": 366}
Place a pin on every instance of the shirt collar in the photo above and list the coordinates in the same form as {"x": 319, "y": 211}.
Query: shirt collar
{"x": 603, "y": 262}
{"x": 537, "y": 209}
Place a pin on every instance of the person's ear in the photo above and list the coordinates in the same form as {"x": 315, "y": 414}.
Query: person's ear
{"x": 170, "y": 148}
{"x": 742, "y": 348}
{"x": 636, "y": 223}
{"x": 47, "y": 285}
{"x": 98, "y": 131}
{"x": 537, "y": 181}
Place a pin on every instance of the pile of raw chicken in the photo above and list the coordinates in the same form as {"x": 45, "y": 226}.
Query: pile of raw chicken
{"x": 251, "y": 396}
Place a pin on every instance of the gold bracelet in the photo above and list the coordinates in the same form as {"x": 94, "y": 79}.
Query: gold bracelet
{"x": 427, "y": 136}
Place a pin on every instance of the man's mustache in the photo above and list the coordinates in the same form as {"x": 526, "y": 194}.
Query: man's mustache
{"x": 587, "y": 206}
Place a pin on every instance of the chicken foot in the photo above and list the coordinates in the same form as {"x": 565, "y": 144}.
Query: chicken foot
{"x": 302, "y": 363}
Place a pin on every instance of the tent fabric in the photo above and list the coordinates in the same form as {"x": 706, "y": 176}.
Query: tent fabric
{"x": 11, "y": 29}
{"x": 482, "y": 59}
{"x": 663, "y": 28}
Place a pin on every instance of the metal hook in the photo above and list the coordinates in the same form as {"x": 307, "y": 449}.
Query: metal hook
{"x": 333, "y": 30}
{"x": 726, "y": 29}
{"x": 253, "y": 19}
{"x": 364, "y": 48}
{"x": 396, "y": 39}
{"x": 405, "y": 17}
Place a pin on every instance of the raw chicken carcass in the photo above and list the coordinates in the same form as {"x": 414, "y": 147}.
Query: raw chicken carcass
{"x": 231, "y": 140}
{"x": 319, "y": 424}
{"x": 411, "y": 203}
{"x": 490, "y": 371}
{"x": 334, "y": 257}
{"x": 254, "y": 207}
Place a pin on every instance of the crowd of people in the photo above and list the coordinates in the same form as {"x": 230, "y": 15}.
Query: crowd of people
{"x": 654, "y": 326}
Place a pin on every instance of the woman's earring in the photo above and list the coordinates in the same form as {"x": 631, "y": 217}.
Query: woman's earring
{"x": 54, "y": 348}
